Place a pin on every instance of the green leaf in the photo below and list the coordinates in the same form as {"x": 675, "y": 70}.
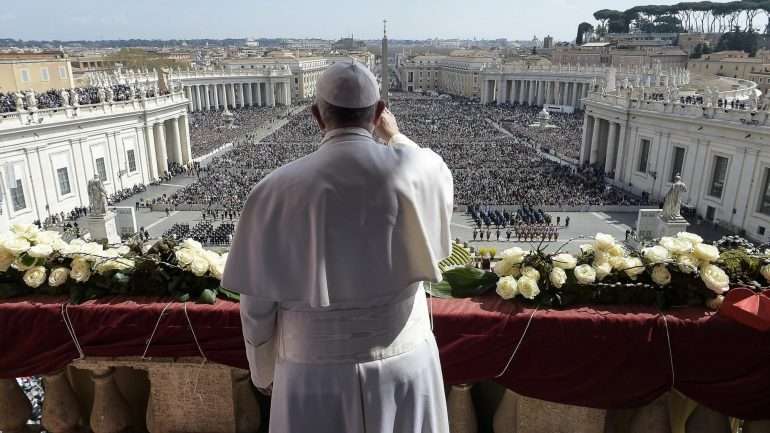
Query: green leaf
{"x": 208, "y": 296}
{"x": 229, "y": 294}
{"x": 439, "y": 290}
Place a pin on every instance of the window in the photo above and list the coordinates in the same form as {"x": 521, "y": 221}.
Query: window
{"x": 676, "y": 169}
{"x": 63, "y": 72}
{"x": 718, "y": 176}
{"x": 24, "y": 74}
{"x": 101, "y": 169}
{"x": 764, "y": 198}
{"x": 64, "y": 180}
{"x": 131, "y": 160}
{"x": 17, "y": 196}
{"x": 644, "y": 153}
{"x": 44, "y": 74}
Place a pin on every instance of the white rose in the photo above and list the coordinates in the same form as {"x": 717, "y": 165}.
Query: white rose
{"x": 633, "y": 267}
{"x": 199, "y": 266}
{"x": 507, "y": 287}
{"x": 602, "y": 270}
{"x": 586, "y": 248}
{"x": 603, "y": 242}
{"x": 41, "y": 251}
{"x": 17, "y": 245}
{"x": 557, "y": 277}
{"x": 27, "y": 231}
{"x": 661, "y": 276}
{"x": 530, "y": 272}
{"x": 715, "y": 279}
{"x": 528, "y": 287}
{"x": 515, "y": 255}
{"x": 618, "y": 263}
{"x": 715, "y": 303}
{"x": 6, "y": 259}
{"x": 585, "y": 274}
{"x": 765, "y": 271}
{"x": 687, "y": 264}
{"x": 184, "y": 256}
{"x": 601, "y": 257}
{"x": 656, "y": 254}
{"x": 81, "y": 270}
{"x": 49, "y": 237}
{"x": 192, "y": 244}
{"x": 691, "y": 237}
{"x": 58, "y": 277}
{"x": 706, "y": 253}
{"x": 564, "y": 261}
{"x": 676, "y": 246}
{"x": 35, "y": 276}
{"x": 617, "y": 251}
{"x": 217, "y": 269}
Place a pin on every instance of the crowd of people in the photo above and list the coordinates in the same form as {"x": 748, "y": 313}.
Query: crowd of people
{"x": 204, "y": 232}
{"x": 52, "y": 98}
{"x": 493, "y": 151}
{"x": 490, "y": 165}
{"x": 209, "y": 131}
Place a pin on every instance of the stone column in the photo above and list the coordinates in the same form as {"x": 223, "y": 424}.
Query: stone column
{"x": 288, "y": 93}
{"x": 206, "y": 98}
{"x": 232, "y": 96}
{"x": 198, "y": 97}
{"x": 15, "y": 408}
{"x": 184, "y": 135}
{"x": 110, "y": 412}
{"x": 557, "y": 92}
{"x": 576, "y": 88}
{"x": 152, "y": 158}
{"x": 176, "y": 141}
{"x": 609, "y": 162}
{"x": 270, "y": 94}
{"x": 188, "y": 94}
{"x": 530, "y": 92}
{"x": 259, "y": 94}
{"x": 621, "y": 154}
{"x": 216, "y": 97}
{"x": 585, "y": 149}
{"x": 500, "y": 90}
{"x": 242, "y": 87}
{"x": 61, "y": 412}
{"x": 160, "y": 148}
{"x": 594, "y": 156}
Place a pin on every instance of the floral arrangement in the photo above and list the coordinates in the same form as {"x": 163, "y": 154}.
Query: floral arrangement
{"x": 41, "y": 262}
{"x": 679, "y": 270}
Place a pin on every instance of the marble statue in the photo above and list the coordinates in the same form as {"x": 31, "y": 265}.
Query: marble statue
{"x": 74, "y": 97}
{"x": 19, "y": 98}
{"x": 101, "y": 94}
{"x": 31, "y": 100}
{"x": 672, "y": 202}
{"x": 625, "y": 83}
{"x": 109, "y": 93}
{"x": 65, "y": 97}
{"x": 97, "y": 196}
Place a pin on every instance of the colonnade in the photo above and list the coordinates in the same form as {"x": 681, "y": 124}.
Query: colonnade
{"x": 167, "y": 141}
{"x": 215, "y": 96}
{"x": 537, "y": 92}
{"x": 603, "y": 145}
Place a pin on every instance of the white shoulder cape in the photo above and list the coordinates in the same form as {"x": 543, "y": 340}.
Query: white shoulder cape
{"x": 354, "y": 221}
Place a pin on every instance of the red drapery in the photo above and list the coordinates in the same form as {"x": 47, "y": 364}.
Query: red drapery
{"x": 603, "y": 357}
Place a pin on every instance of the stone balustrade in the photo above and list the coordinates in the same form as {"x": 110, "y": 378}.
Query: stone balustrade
{"x": 112, "y": 395}
{"x": 25, "y": 118}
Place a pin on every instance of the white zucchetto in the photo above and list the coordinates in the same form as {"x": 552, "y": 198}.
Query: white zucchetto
{"x": 348, "y": 84}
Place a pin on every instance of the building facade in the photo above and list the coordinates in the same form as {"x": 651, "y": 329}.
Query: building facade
{"x": 722, "y": 154}
{"x": 34, "y": 71}
{"x": 48, "y": 156}
{"x": 735, "y": 64}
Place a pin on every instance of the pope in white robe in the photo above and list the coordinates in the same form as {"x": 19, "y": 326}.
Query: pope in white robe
{"x": 330, "y": 255}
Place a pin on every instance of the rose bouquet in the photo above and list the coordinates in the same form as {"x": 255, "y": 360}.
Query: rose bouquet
{"x": 679, "y": 270}
{"x": 41, "y": 262}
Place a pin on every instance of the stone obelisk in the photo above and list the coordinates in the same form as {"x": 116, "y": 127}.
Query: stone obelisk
{"x": 385, "y": 83}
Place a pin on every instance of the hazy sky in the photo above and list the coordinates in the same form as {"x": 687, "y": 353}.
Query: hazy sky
{"x": 408, "y": 19}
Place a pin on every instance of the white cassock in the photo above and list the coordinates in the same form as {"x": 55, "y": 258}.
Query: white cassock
{"x": 329, "y": 255}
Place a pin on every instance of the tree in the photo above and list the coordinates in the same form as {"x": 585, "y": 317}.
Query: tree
{"x": 697, "y": 52}
{"x": 583, "y": 29}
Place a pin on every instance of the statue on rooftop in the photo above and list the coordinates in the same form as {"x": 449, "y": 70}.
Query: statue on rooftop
{"x": 101, "y": 95}
{"x": 65, "y": 97}
{"x": 31, "y": 100}
{"x": 97, "y": 196}
{"x": 19, "y": 99}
